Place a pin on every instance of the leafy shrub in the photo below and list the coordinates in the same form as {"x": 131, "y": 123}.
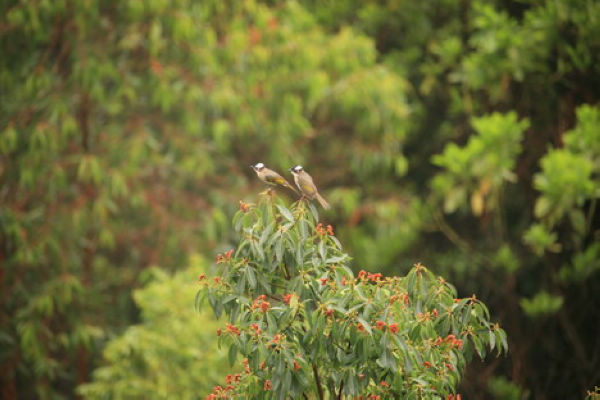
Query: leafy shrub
{"x": 304, "y": 324}
{"x": 170, "y": 354}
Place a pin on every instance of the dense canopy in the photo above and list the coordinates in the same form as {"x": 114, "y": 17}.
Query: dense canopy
{"x": 461, "y": 134}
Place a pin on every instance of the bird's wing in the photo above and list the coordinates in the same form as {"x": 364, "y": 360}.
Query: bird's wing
{"x": 307, "y": 186}
{"x": 275, "y": 178}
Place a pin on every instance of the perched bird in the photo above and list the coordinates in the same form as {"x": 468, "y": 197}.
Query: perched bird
{"x": 307, "y": 186}
{"x": 271, "y": 177}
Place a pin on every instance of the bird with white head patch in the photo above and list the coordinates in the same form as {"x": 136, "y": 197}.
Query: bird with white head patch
{"x": 307, "y": 187}
{"x": 271, "y": 177}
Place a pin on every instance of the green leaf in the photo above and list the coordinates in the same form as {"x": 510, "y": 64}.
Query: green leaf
{"x": 285, "y": 212}
{"x": 232, "y": 354}
{"x": 251, "y": 277}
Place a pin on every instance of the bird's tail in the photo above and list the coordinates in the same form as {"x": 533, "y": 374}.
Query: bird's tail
{"x": 323, "y": 202}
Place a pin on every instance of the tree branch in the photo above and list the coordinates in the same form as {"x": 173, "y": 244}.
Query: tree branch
{"x": 318, "y": 382}
{"x": 339, "y": 396}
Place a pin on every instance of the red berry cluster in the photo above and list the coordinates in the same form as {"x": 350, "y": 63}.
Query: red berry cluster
{"x": 260, "y": 302}
{"x": 221, "y": 258}
{"x": 232, "y": 378}
{"x": 324, "y": 231}
{"x": 232, "y": 381}
{"x": 450, "y": 339}
{"x": 234, "y": 330}
{"x": 404, "y": 297}
{"x": 244, "y": 206}
{"x": 256, "y": 329}
{"x": 376, "y": 277}
{"x": 287, "y": 298}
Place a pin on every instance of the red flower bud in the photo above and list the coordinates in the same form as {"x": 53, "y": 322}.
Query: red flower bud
{"x": 264, "y": 306}
{"x": 233, "y": 329}
{"x": 267, "y": 385}
{"x": 374, "y": 277}
{"x": 287, "y": 298}
{"x": 380, "y": 324}
{"x": 296, "y": 366}
{"x": 393, "y": 327}
{"x": 450, "y": 338}
{"x": 427, "y": 364}
{"x": 201, "y": 277}
{"x": 319, "y": 229}
{"x": 256, "y": 328}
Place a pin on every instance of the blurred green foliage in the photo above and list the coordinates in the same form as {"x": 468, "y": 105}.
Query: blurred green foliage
{"x": 462, "y": 134}
{"x": 172, "y": 351}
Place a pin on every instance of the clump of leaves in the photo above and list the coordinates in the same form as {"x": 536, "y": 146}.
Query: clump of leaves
{"x": 305, "y": 325}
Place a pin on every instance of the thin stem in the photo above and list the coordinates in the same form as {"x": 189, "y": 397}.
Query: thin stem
{"x": 318, "y": 382}
{"x": 339, "y": 396}
{"x": 590, "y": 216}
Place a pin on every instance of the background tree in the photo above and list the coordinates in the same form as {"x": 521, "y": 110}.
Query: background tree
{"x": 463, "y": 135}
{"x": 171, "y": 352}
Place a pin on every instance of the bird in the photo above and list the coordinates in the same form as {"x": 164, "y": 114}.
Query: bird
{"x": 307, "y": 187}
{"x": 271, "y": 177}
